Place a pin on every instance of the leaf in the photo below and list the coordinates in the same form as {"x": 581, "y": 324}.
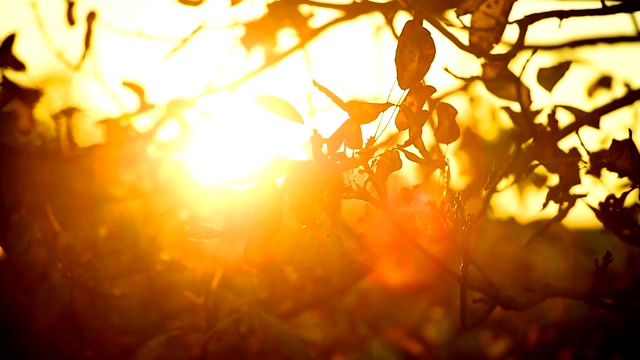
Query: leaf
{"x": 501, "y": 82}
{"x": 468, "y": 6}
{"x": 191, "y": 2}
{"x": 620, "y": 220}
{"x": 519, "y": 120}
{"x": 604, "y": 82}
{"x": 388, "y": 163}
{"x": 447, "y": 130}
{"x": 349, "y": 133}
{"x": 362, "y": 112}
{"x": 622, "y": 157}
{"x": 70, "y": 18}
{"x": 144, "y": 105}
{"x": 280, "y": 14}
{"x": 279, "y": 107}
{"x": 549, "y": 77}
{"x": 414, "y": 54}
{"x": 91, "y": 18}
{"x": 7, "y": 59}
{"x": 488, "y": 22}
{"x": 288, "y": 342}
{"x": 336, "y": 100}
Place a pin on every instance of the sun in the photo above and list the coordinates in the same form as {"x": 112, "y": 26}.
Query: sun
{"x": 234, "y": 137}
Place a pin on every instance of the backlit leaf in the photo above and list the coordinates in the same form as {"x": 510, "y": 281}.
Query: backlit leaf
{"x": 468, "y": 6}
{"x": 389, "y": 162}
{"x": 7, "y": 59}
{"x": 501, "y": 82}
{"x": 70, "y": 18}
{"x": 144, "y": 105}
{"x": 363, "y": 112}
{"x": 447, "y": 130}
{"x": 414, "y": 54}
{"x": 488, "y": 22}
{"x": 191, "y": 2}
{"x": 604, "y": 82}
{"x": 91, "y": 18}
{"x": 549, "y": 77}
{"x": 279, "y": 107}
{"x": 349, "y": 133}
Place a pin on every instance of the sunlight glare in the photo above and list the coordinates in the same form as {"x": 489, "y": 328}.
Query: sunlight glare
{"x": 238, "y": 138}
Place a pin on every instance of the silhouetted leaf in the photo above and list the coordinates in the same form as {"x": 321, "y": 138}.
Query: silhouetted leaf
{"x": 279, "y": 107}
{"x": 70, "y": 18}
{"x": 501, "y": 82}
{"x": 91, "y": 18}
{"x": 468, "y": 6}
{"x": 363, "y": 112}
{"x": 549, "y": 77}
{"x": 488, "y": 22}
{"x": 621, "y": 220}
{"x": 7, "y": 59}
{"x": 144, "y": 105}
{"x": 280, "y": 14}
{"x": 414, "y": 54}
{"x": 447, "y": 130}
{"x": 191, "y": 2}
{"x": 349, "y": 133}
{"x": 519, "y": 120}
{"x": 604, "y": 82}
{"x": 622, "y": 157}
{"x": 389, "y": 162}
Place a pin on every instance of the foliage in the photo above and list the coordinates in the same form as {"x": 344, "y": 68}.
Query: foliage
{"x": 105, "y": 255}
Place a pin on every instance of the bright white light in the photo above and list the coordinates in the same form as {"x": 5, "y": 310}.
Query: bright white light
{"x": 237, "y": 138}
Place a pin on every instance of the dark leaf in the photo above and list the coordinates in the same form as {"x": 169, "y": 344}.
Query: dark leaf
{"x": 91, "y": 18}
{"x": 468, "y": 6}
{"x": 622, "y": 157}
{"x": 501, "y": 82}
{"x": 7, "y": 59}
{"x": 191, "y": 2}
{"x": 349, "y": 133}
{"x": 604, "y": 82}
{"x": 488, "y": 22}
{"x": 447, "y": 130}
{"x": 389, "y": 162}
{"x": 70, "y": 18}
{"x": 549, "y": 77}
{"x": 414, "y": 54}
{"x": 519, "y": 120}
{"x": 11, "y": 91}
{"x": 280, "y": 14}
{"x": 139, "y": 90}
{"x": 279, "y": 107}
{"x": 622, "y": 221}
{"x": 362, "y": 112}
